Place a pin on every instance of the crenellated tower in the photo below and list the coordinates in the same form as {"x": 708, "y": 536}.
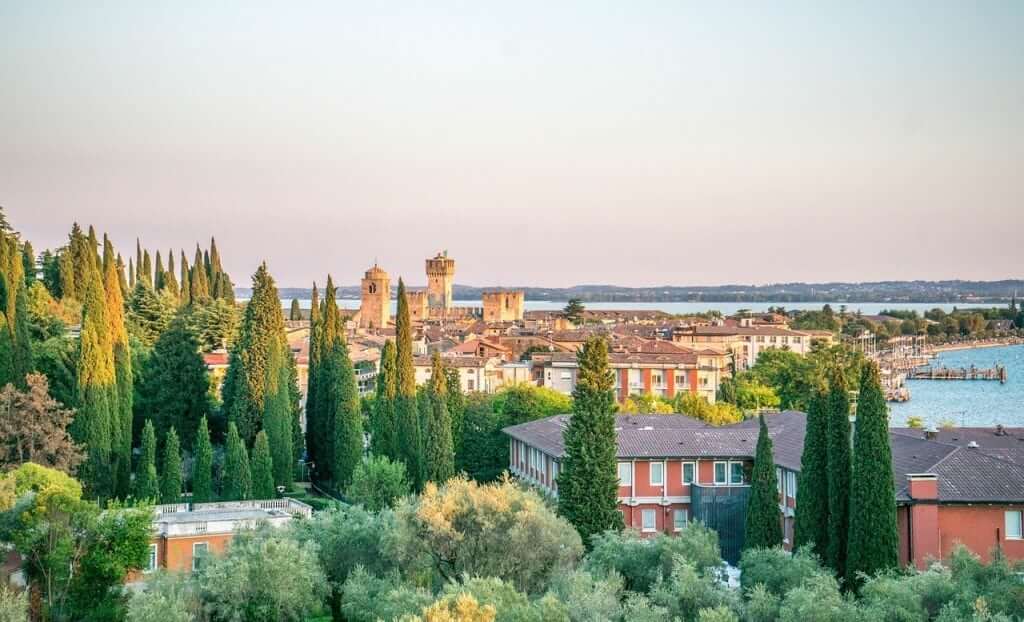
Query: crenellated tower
{"x": 440, "y": 276}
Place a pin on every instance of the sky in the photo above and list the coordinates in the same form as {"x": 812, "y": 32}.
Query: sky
{"x": 540, "y": 143}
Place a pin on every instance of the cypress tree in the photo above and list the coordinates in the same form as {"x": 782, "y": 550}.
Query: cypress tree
{"x": 295, "y": 393}
{"x": 348, "y": 415}
{"x": 81, "y": 261}
{"x": 138, "y": 261}
{"x": 838, "y": 472}
{"x": 147, "y": 485}
{"x": 277, "y": 415}
{"x": 170, "y": 474}
{"x": 122, "y": 397}
{"x": 439, "y": 451}
{"x": 312, "y": 373}
{"x": 200, "y": 284}
{"x": 325, "y": 408}
{"x": 763, "y": 525}
{"x": 66, "y": 274}
{"x": 208, "y": 268}
{"x": 131, "y": 275}
{"x": 175, "y": 382}
{"x": 873, "y": 541}
{"x": 406, "y": 410}
{"x": 588, "y": 485}
{"x": 262, "y": 468}
{"x": 97, "y": 387}
{"x": 295, "y": 314}
{"x": 202, "y": 464}
{"x": 236, "y": 479}
{"x": 811, "y": 523}
{"x": 120, "y": 276}
{"x": 147, "y": 269}
{"x": 217, "y": 275}
{"x": 28, "y": 259}
{"x": 456, "y": 405}
{"x": 382, "y": 441}
{"x": 185, "y": 287}
{"x": 245, "y": 382}
{"x": 158, "y": 274}
{"x": 15, "y": 336}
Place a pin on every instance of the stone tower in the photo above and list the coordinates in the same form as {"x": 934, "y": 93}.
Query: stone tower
{"x": 503, "y": 306}
{"x": 375, "y": 308}
{"x": 440, "y": 276}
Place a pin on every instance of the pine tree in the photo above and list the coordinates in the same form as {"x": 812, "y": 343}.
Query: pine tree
{"x": 170, "y": 473}
{"x": 838, "y": 472}
{"x": 245, "y": 382}
{"x": 439, "y": 451}
{"x": 295, "y": 314}
{"x": 97, "y": 386}
{"x": 202, "y": 464}
{"x": 147, "y": 485}
{"x": 811, "y": 523}
{"x": 382, "y": 441}
{"x": 236, "y": 478}
{"x": 874, "y": 540}
{"x": 277, "y": 414}
{"x": 588, "y": 486}
{"x": 262, "y": 468}
{"x": 763, "y": 525}
{"x": 406, "y": 411}
{"x": 175, "y": 382}
{"x": 122, "y": 398}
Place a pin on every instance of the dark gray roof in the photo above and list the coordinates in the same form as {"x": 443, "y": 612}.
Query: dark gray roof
{"x": 991, "y": 472}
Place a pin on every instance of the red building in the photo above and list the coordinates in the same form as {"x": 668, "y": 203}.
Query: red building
{"x": 964, "y": 485}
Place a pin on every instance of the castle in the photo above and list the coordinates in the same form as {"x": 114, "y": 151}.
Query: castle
{"x": 435, "y": 303}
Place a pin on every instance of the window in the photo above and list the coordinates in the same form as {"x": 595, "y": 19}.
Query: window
{"x": 791, "y": 484}
{"x": 625, "y": 474}
{"x": 679, "y": 519}
{"x": 199, "y": 551}
{"x": 1014, "y": 529}
{"x": 720, "y": 473}
{"x": 689, "y": 469}
{"x": 657, "y": 473}
{"x": 151, "y": 562}
{"x": 680, "y": 381}
{"x": 647, "y": 518}
{"x": 566, "y": 375}
{"x": 657, "y": 378}
{"x": 778, "y": 480}
{"x": 470, "y": 384}
{"x": 735, "y": 472}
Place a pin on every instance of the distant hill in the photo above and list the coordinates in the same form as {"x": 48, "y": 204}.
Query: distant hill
{"x": 879, "y": 291}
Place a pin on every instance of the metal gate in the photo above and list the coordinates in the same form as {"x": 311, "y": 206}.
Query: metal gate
{"x": 724, "y": 509}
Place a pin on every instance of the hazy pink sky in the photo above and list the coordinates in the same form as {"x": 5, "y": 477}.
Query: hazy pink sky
{"x": 542, "y": 143}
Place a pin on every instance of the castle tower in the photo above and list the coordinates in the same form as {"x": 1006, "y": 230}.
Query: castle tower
{"x": 440, "y": 276}
{"x": 375, "y": 308}
{"x": 503, "y": 306}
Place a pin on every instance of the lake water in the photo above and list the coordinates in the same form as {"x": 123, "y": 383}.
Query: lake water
{"x": 682, "y": 308}
{"x": 969, "y": 402}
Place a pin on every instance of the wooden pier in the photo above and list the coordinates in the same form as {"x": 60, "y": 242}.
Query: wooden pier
{"x": 959, "y": 373}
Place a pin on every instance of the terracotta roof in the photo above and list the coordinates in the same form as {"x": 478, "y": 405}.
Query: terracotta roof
{"x": 453, "y": 361}
{"x": 470, "y": 347}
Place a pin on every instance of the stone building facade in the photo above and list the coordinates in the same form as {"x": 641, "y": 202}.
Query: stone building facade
{"x": 504, "y": 306}
{"x": 375, "y": 308}
{"x": 440, "y": 277}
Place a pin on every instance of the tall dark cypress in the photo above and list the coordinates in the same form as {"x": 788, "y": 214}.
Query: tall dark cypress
{"x": 200, "y": 285}
{"x": 588, "y": 485}
{"x": 120, "y": 276}
{"x": 262, "y": 328}
{"x": 131, "y": 275}
{"x": 438, "y": 450}
{"x": 382, "y": 440}
{"x": 456, "y": 405}
{"x": 295, "y": 313}
{"x": 874, "y": 540}
{"x": 138, "y": 261}
{"x": 97, "y": 386}
{"x": 202, "y": 464}
{"x": 763, "y": 524}
{"x": 15, "y": 336}
{"x": 838, "y": 472}
{"x": 170, "y": 471}
{"x": 147, "y": 268}
{"x": 326, "y": 385}
{"x": 81, "y": 262}
{"x": 236, "y": 478}
{"x": 123, "y": 396}
{"x": 158, "y": 273}
{"x": 262, "y": 468}
{"x": 811, "y": 523}
{"x": 348, "y": 416}
{"x": 406, "y": 409}
{"x": 312, "y": 414}
{"x": 277, "y": 413}
{"x": 186, "y": 282}
{"x": 28, "y": 261}
{"x": 147, "y": 482}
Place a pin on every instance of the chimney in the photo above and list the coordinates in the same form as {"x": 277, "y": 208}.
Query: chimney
{"x": 931, "y": 433}
{"x": 1000, "y": 430}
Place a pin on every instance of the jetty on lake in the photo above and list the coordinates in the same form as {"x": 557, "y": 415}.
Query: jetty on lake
{"x": 997, "y": 372}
